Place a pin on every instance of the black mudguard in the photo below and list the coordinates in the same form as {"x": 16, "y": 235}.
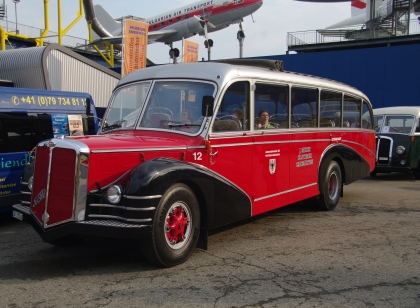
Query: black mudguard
{"x": 220, "y": 201}
{"x": 353, "y": 165}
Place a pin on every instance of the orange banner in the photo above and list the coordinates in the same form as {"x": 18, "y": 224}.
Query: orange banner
{"x": 134, "y": 45}
{"x": 190, "y": 51}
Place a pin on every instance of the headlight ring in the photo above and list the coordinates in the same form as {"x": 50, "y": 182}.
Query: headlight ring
{"x": 113, "y": 194}
{"x": 400, "y": 149}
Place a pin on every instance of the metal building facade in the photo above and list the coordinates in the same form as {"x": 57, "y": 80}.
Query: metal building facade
{"x": 54, "y": 67}
{"x": 389, "y": 76}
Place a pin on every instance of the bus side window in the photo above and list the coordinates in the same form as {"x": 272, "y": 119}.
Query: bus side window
{"x": 304, "y": 107}
{"x": 330, "y": 109}
{"x": 234, "y": 111}
{"x": 1, "y": 135}
{"x": 274, "y": 99}
{"x": 351, "y": 111}
{"x": 366, "y": 116}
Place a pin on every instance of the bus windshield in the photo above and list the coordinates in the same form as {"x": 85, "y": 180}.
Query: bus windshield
{"x": 176, "y": 105}
{"x": 402, "y": 124}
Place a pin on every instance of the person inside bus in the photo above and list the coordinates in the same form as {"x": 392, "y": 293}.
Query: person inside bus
{"x": 238, "y": 116}
{"x": 263, "y": 118}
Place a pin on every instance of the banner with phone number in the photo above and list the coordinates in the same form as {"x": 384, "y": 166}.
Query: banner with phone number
{"x": 12, "y": 99}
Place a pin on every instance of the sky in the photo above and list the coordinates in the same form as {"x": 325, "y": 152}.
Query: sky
{"x": 266, "y": 32}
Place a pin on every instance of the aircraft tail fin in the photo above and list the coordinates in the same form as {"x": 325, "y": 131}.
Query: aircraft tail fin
{"x": 106, "y": 20}
{"x": 358, "y": 7}
{"x": 358, "y": 15}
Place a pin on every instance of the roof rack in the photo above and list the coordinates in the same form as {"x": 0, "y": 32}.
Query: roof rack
{"x": 275, "y": 65}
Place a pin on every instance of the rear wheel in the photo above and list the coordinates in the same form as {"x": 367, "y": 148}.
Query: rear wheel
{"x": 330, "y": 188}
{"x": 417, "y": 174}
{"x": 176, "y": 228}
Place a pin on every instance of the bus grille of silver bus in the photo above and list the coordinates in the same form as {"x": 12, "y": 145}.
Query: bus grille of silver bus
{"x": 384, "y": 145}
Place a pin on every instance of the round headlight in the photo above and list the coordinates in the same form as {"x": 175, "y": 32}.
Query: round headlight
{"x": 31, "y": 183}
{"x": 400, "y": 149}
{"x": 113, "y": 194}
{"x": 402, "y": 162}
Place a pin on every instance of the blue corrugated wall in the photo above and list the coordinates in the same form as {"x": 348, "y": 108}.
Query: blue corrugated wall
{"x": 389, "y": 76}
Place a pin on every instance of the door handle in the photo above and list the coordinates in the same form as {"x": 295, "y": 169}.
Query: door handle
{"x": 211, "y": 156}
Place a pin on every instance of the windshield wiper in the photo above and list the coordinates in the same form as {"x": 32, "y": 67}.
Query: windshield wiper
{"x": 117, "y": 124}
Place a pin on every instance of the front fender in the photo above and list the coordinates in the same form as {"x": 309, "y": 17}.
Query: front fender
{"x": 221, "y": 202}
{"x": 153, "y": 178}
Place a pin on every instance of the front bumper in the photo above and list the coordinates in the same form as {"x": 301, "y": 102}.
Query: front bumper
{"x": 99, "y": 228}
{"x": 387, "y": 169}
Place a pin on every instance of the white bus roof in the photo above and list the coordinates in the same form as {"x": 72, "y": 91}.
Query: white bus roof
{"x": 402, "y": 110}
{"x": 224, "y": 72}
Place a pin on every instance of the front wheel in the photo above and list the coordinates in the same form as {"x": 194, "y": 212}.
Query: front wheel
{"x": 176, "y": 228}
{"x": 330, "y": 188}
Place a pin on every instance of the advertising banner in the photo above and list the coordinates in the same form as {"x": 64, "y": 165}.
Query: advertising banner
{"x": 135, "y": 36}
{"x": 60, "y": 125}
{"x": 190, "y": 51}
{"x": 75, "y": 124}
{"x": 11, "y": 167}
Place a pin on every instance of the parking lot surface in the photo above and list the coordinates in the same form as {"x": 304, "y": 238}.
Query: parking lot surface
{"x": 366, "y": 253}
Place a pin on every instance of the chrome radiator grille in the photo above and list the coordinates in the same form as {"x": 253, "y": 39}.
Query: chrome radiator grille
{"x": 54, "y": 185}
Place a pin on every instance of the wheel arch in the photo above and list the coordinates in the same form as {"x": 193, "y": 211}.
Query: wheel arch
{"x": 155, "y": 177}
{"x": 352, "y": 165}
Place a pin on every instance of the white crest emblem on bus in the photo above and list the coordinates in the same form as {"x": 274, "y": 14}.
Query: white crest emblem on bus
{"x": 272, "y": 165}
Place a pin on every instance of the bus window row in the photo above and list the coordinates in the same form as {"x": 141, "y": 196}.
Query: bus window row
{"x": 273, "y": 108}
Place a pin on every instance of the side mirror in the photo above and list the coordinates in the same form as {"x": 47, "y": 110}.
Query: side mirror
{"x": 207, "y": 106}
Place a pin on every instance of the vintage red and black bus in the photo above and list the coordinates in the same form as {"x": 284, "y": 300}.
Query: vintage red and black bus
{"x": 185, "y": 148}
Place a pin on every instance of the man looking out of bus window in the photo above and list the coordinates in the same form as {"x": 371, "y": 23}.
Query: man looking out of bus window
{"x": 263, "y": 118}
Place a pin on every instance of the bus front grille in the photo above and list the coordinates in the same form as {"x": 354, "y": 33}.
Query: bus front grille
{"x": 54, "y": 185}
{"x": 384, "y": 151}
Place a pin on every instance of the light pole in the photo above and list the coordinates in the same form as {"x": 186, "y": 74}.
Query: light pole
{"x": 16, "y": 2}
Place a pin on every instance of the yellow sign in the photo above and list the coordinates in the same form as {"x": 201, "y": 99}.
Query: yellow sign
{"x": 134, "y": 45}
{"x": 190, "y": 51}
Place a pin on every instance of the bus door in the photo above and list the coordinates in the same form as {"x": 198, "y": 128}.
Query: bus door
{"x": 271, "y": 148}
{"x": 231, "y": 154}
{"x": 305, "y": 143}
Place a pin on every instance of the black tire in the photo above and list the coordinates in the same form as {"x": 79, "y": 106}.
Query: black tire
{"x": 330, "y": 188}
{"x": 417, "y": 174}
{"x": 173, "y": 244}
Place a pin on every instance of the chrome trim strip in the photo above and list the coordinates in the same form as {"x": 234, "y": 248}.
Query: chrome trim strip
{"x": 106, "y": 186}
{"x": 142, "y": 197}
{"x": 231, "y": 145}
{"x": 109, "y": 223}
{"x": 23, "y": 183}
{"x": 117, "y": 217}
{"x": 122, "y": 207}
{"x": 26, "y": 193}
{"x": 196, "y": 147}
{"x": 25, "y": 202}
{"x": 269, "y": 142}
{"x": 361, "y": 145}
{"x": 139, "y": 150}
{"x": 284, "y": 192}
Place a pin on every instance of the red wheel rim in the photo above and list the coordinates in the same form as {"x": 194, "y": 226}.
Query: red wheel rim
{"x": 178, "y": 225}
